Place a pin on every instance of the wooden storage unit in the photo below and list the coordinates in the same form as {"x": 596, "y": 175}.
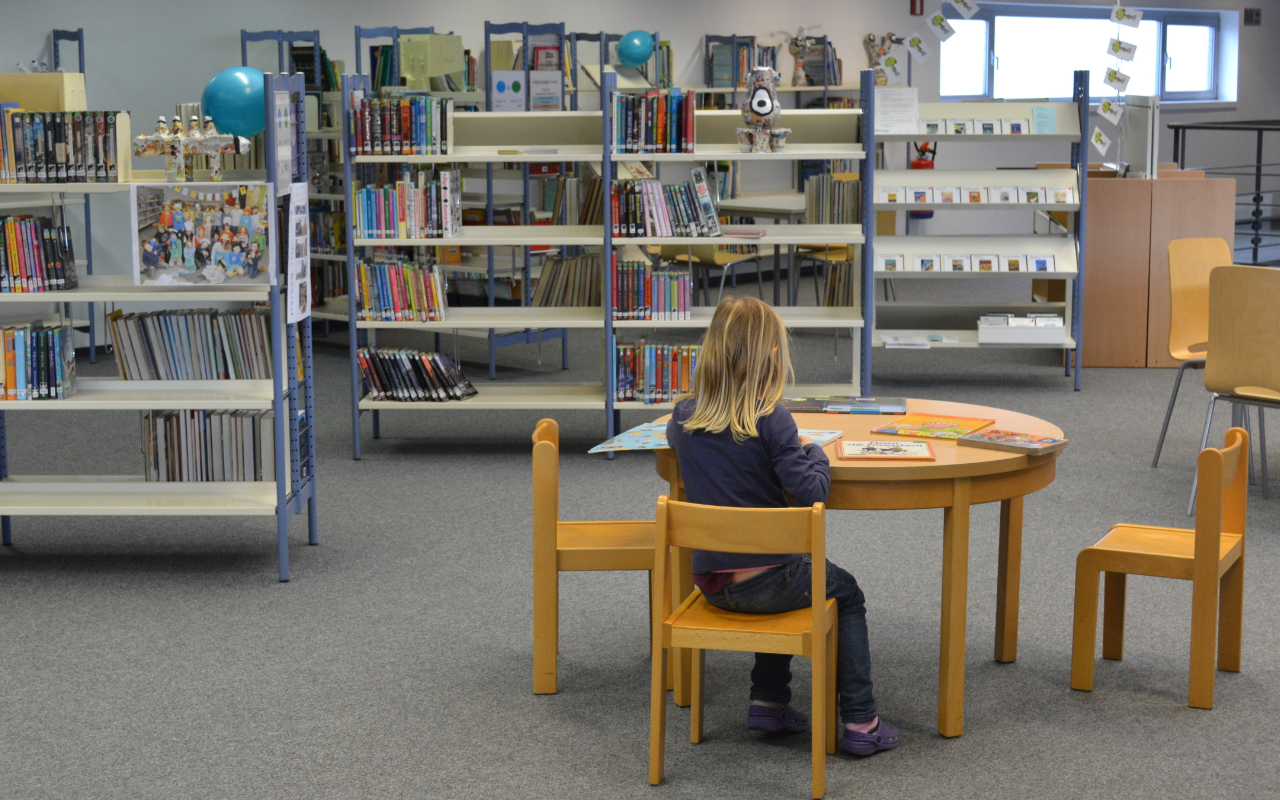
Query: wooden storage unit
{"x": 44, "y": 91}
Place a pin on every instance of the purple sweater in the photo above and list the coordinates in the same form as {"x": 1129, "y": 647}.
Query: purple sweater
{"x": 719, "y": 471}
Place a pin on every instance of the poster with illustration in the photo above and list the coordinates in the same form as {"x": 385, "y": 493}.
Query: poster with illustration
{"x": 1128, "y": 17}
{"x": 298, "y": 235}
{"x": 1110, "y": 110}
{"x": 1100, "y": 141}
{"x": 1121, "y": 50}
{"x": 202, "y": 234}
{"x": 915, "y": 45}
{"x": 965, "y": 8}
{"x": 941, "y": 28}
{"x": 1116, "y": 80}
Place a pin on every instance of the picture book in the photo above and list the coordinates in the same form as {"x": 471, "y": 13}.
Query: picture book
{"x": 866, "y": 405}
{"x": 885, "y": 451}
{"x": 653, "y": 436}
{"x": 933, "y": 427}
{"x": 1009, "y": 441}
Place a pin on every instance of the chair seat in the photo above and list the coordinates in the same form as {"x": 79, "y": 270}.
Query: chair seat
{"x": 1159, "y": 552}
{"x": 1257, "y": 393}
{"x": 600, "y": 545}
{"x": 1186, "y": 354}
{"x": 698, "y": 624}
{"x": 718, "y": 259}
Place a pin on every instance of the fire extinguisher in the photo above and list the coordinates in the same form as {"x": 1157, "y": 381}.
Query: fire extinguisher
{"x": 925, "y": 153}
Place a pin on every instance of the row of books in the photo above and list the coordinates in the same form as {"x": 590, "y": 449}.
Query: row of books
{"x": 59, "y": 146}
{"x": 831, "y": 201}
{"x": 431, "y": 208}
{"x": 412, "y": 376}
{"x": 567, "y": 203}
{"x": 36, "y": 255}
{"x": 641, "y": 292}
{"x": 841, "y": 286}
{"x": 659, "y": 121}
{"x": 572, "y": 281}
{"x": 652, "y": 373}
{"x": 192, "y": 344}
{"x": 400, "y": 292}
{"x": 328, "y": 279}
{"x": 410, "y": 124}
{"x": 328, "y": 231}
{"x": 39, "y": 362}
{"x": 205, "y": 446}
{"x": 649, "y": 208}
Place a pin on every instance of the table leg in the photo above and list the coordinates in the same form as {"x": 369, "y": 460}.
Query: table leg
{"x": 955, "y": 584}
{"x": 681, "y": 664}
{"x": 1008, "y": 580}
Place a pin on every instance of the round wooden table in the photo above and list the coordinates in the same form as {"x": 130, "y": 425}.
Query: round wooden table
{"x": 959, "y": 478}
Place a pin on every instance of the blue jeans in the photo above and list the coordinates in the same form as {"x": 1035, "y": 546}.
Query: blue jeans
{"x": 786, "y": 588}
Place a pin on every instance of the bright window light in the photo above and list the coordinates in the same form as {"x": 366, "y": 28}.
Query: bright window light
{"x": 1190, "y": 58}
{"x": 1035, "y": 56}
{"x": 964, "y": 60}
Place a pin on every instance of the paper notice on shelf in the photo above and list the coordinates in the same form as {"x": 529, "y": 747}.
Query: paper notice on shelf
{"x": 896, "y": 342}
{"x": 298, "y": 236}
{"x": 546, "y": 90}
{"x": 1043, "y": 119}
{"x": 897, "y": 109}
{"x": 284, "y": 139}
{"x": 509, "y": 90}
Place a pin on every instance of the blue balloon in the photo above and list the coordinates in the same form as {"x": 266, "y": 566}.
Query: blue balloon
{"x": 635, "y": 48}
{"x": 234, "y": 99}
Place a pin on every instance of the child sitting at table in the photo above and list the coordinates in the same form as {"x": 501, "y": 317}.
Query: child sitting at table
{"x": 737, "y": 447}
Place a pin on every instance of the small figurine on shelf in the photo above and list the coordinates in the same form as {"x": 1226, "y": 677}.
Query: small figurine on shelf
{"x": 881, "y": 61}
{"x": 800, "y": 46}
{"x": 761, "y": 111}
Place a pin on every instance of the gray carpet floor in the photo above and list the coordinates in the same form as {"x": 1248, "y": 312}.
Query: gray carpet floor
{"x": 160, "y": 658}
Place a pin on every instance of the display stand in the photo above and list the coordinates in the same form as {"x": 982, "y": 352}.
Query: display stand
{"x": 285, "y": 40}
{"x": 289, "y": 395}
{"x": 948, "y": 319}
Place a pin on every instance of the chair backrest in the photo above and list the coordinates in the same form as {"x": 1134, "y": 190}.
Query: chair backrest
{"x": 1221, "y": 498}
{"x": 1190, "y": 262}
{"x": 697, "y": 253}
{"x": 546, "y": 482}
{"x": 1244, "y": 332}
{"x": 739, "y": 530}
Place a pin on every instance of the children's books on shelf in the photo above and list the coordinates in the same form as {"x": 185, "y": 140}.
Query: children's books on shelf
{"x": 400, "y": 292}
{"x": 841, "y": 287}
{"x": 933, "y": 427}
{"x": 206, "y": 446}
{"x": 196, "y": 344}
{"x": 411, "y": 124}
{"x": 649, "y": 208}
{"x": 412, "y": 376}
{"x": 36, "y": 256}
{"x": 206, "y": 234}
{"x": 428, "y": 208}
{"x": 574, "y": 281}
{"x": 829, "y": 201}
{"x": 61, "y": 146}
{"x": 659, "y": 121}
{"x": 652, "y": 373}
{"x": 885, "y": 451}
{"x": 641, "y": 292}
{"x": 328, "y": 232}
{"x": 1011, "y": 442}
{"x": 39, "y": 363}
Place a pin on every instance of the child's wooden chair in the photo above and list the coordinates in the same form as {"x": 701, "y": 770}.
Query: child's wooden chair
{"x": 570, "y": 546}
{"x": 1211, "y": 557}
{"x": 698, "y": 625}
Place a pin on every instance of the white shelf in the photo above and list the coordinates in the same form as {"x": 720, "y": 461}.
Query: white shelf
{"x": 774, "y": 234}
{"x": 516, "y": 317}
{"x": 848, "y": 87}
{"x": 322, "y": 196}
{"x": 967, "y": 339}
{"x": 489, "y": 154}
{"x": 976, "y": 206}
{"x": 911, "y": 275}
{"x": 332, "y": 133}
{"x": 328, "y": 256}
{"x": 978, "y": 138}
{"x": 333, "y": 308}
{"x": 1062, "y": 248}
{"x": 509, "y": 397}
{"x": 793, "y": 316}
{"x": 962, "y": 178}
{"x": 104, "y": 394}
{"x": 732, "y": 152}
{"x": 799, "y": 390}
{"x": 502, "y": 236}
{"x": 101, "y": 495}
{"x": 63, "y": 188}
{"x": 120, "y": 288}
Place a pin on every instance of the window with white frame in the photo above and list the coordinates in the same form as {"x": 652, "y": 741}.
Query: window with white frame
{"x": 1010, "y": 51}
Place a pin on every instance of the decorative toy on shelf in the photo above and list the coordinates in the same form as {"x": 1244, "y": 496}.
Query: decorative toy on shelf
{"x": 179, "y": 147}
{"x": 761, "y": 111}
{"x": 883, "y": 60}
{"x": 800, "y": 46}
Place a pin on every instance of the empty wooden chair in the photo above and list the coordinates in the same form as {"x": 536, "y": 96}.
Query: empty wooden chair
{"x": 698, "y": 625}
{"x": 1190, "y": 262}
{"x": 702, "y": 258}
{"x": 560, "y": 546}
{"x": 1211, "y": 556}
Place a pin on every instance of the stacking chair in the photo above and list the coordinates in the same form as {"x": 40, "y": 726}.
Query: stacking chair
{"x": 706, "y": 257}
{"x": 698, "y": 625}
{"x": 1244, "y": 368}
{"x": 560, "y": 546}
{"x": 1211, "y": 557}
{"x": 1190, "y": 262}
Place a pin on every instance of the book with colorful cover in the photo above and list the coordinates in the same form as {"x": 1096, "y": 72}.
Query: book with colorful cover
{"x": 653, "y": 436}
{"x": 885, "y": 451}
{"x": 1013, "y": 442}
{"x": 866, "y": 405}
{"x": 934, "y": 427}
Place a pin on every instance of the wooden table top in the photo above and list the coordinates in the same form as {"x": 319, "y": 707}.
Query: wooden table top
{"x": 952, "y": 460}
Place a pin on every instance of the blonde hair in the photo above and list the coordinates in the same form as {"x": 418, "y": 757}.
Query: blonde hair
{"x": 743, "y": 368}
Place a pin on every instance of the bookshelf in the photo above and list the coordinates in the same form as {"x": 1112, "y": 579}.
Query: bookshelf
{"x": 285, "y": 40}
{"x": 955, "y": 323}
{"x": 289, "y": 396}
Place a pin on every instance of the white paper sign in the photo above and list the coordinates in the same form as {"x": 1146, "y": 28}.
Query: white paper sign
{"x": 1116, "y": 80}
{"x": 916, "y": 46}
{"x": 509, "y": 90}
{"x": 1121, "y": 50}
{"x": 939, "y": 25}
{"x": 1110, "y": 110}
{"x": 1127, "y": 17}
{"x": 894, "y": 65}
{"x": 1100, "y": 141}
{"x": 298, "y": 237}
{"x": 545, "y": 90}
{"x": 897, "y": 109}
{"x": 964, "y": 8}
{"x": 284, "y": 140}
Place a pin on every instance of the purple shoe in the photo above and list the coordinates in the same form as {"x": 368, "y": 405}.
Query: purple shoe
{"x": 884, "y": 737}
{"x": 763, "y": 718}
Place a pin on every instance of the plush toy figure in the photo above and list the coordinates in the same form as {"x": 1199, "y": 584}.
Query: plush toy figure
{"x": 761, "y": 111}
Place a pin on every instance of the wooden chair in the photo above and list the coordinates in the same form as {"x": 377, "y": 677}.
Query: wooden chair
{"x": 1190, "y": 262}
{"x": 1244, "y": 368}
{"x": 706, "y": 257}
{"x": 698, "y": 625}
{"x": 1211, "y": 557}
{"x": 560, "y": 546}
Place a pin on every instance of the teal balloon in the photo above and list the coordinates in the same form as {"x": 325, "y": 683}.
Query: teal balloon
{"x": 234, "y": 99}
{"x": 635, "y": 48}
